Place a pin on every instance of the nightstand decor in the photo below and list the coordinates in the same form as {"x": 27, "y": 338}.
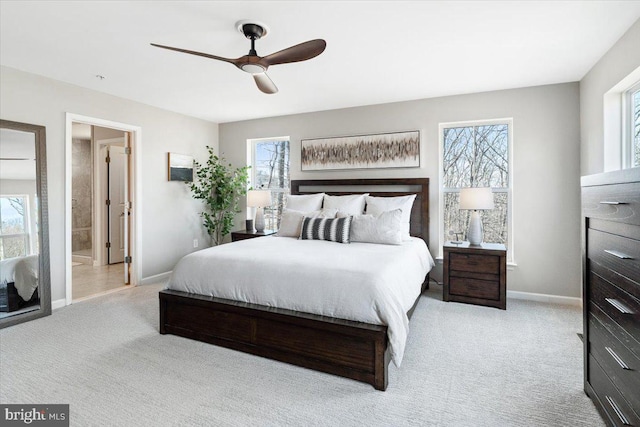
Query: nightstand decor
{"x": 259, "y": 199}
{"x": 475, "y": 199}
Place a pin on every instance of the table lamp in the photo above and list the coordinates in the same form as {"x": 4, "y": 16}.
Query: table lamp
{"x": 475, "y": 199}
{"x": 259, "y": 199}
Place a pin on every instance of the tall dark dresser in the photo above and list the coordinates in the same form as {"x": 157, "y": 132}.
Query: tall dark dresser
{"x": 611, "y": 292}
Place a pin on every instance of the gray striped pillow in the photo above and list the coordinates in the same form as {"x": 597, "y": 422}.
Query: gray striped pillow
{"x": 332, "y": 229}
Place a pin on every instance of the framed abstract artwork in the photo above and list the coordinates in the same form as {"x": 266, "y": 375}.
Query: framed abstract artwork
{"x": 180, "y": 167}
{"x": 382, "y": 150}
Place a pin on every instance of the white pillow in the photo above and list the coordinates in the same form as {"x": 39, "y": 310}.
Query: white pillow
{"x": 385, "y": 228}
{"x": 304, "y": 202}
{"x": 291, "y": 221}
{"x": 377, "y": 205}
{"x": 351, "y": 204}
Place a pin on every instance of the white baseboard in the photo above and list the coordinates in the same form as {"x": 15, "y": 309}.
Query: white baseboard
{"x": 59, "y": 303}
{"x": 162, "y": 277}
{"x": 553, "y": 299}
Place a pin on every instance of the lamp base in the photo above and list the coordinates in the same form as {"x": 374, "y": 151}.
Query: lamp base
{"x": 259, "y": 219}
{"x": 474, "y": 235}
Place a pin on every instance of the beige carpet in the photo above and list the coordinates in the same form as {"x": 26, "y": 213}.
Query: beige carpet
{"x": 464, "y": 366}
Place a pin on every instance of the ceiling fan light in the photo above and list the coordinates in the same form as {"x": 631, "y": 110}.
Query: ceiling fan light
{"x": 253, "y": 68}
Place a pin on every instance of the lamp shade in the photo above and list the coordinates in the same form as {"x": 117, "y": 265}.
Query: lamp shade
{"x": 258, "y": 198}
{"x": 476, "y": 198}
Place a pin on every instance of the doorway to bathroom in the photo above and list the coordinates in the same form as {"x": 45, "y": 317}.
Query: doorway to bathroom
{"x": 100, "y": 210}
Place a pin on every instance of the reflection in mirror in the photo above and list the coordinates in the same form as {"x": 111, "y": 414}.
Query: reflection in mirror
{"x": 24, "y": 273}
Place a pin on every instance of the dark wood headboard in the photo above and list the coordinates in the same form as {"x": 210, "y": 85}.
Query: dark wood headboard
{"x": 380, "y": 188}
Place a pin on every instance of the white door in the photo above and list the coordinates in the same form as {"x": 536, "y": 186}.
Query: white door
{"x": 128, "y": 206}
{"x": 117, "y": 199}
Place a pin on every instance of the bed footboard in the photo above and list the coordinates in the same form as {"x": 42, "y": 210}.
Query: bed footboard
{"x": 349, "y": 349}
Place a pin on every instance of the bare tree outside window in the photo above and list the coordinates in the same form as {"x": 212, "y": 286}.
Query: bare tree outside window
{"x": 14, "y": 233}
{"x": 476, "y": 156}
{"x": 271, "y": 171}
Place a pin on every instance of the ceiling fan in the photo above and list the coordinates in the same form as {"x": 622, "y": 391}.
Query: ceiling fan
{"x": 258, "y": 65}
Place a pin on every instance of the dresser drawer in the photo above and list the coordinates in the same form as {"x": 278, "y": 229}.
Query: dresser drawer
{"x": 616, "y": 407}
{"x": 473, "y": 288}
{"x": 474, "y": 263}
{"x": 616, "y": 330}
{"x": 617, "y": 304}
{"x": 617, "y": 253}
{"x": 619, "y": 363}
{"x": 615, "y": 202}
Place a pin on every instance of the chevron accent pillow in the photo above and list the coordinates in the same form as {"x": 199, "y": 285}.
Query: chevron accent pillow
{"x": 332, "y": 229}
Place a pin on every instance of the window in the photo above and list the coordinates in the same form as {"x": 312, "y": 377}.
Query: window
{"x": 632, "y": 131}
{"x": 476, "y": 155}
{"x": 14, "y": 226}
{"x": 270, "y": 170}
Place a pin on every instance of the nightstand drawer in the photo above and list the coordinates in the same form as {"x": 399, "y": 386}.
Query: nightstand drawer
{"x": 619, "y": 254}
{"x": 473, "y": 288}
{"x": 474, "y": 263}
{"x": 250, "y": 234}
{"x": 617, "y": 202}
{"x": 617, "y": 408}
{"x": 238, "y": 236}
{"x": 618, "y": 362}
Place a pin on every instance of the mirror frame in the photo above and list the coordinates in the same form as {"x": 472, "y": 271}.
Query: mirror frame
{"x": 44, "y": 274}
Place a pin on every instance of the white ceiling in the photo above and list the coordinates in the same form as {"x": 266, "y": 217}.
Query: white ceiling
{"x": 377, "y": 52}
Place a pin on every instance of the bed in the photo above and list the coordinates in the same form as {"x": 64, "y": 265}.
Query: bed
{"x": 18, "y": 283}
{"x": 331, "y": 342}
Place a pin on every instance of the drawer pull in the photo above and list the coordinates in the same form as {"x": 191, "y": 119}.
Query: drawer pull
{"x": 618, "y": 412}
{"x": 607, "y": 202}
{"x": 618, "y": 254}
{"x": 617, "y": 358}
{"x": 619, "y": 306}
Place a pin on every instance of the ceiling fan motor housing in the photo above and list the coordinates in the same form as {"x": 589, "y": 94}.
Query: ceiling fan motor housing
{"x": 252, "y": 31}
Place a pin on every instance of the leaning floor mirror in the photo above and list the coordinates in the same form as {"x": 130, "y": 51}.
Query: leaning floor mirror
{"x": 25, "y": 284}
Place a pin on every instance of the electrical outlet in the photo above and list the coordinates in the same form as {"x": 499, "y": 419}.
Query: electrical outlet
{"x": 195, "y": 243}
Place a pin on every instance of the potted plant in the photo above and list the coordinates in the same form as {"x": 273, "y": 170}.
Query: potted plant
{"x": 220, "y": 187}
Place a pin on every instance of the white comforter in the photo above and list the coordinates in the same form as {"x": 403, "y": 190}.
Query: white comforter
{"x": 22, "y": 272}
{"x": 365, "y": 282}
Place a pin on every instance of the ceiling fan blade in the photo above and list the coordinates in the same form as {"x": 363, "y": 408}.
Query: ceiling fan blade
{"x": 193, "y": 52}
{"x": 297, "y": 53}
{"x": 265, "y": 84}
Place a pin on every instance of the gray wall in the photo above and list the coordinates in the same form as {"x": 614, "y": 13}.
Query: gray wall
{"x": 546, "y": 162}
{"x": 170, "y": 216}
{"x": 615, "y": 65}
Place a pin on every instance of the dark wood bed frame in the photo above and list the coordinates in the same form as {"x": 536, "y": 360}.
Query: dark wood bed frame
{"x": 350, "y": 349}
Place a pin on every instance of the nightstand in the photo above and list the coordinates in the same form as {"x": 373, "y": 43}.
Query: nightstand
{"x": 475, "y": 274}
{"x": 250, "y": 234}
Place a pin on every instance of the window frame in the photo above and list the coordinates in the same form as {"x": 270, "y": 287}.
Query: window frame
{"x": 27, "y": 234}
{"x": 628, "y": 127}
{"x": 251, "y": 156}
{"x": 509, "y": 190}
